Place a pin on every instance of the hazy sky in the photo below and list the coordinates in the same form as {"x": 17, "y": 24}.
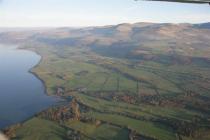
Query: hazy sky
{"x": 35, "y": 13}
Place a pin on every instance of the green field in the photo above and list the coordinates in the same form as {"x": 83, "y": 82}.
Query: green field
{"x": 124, "y": 95}
{"x": 39, "y": 129}
{"x": 102, "y": 132}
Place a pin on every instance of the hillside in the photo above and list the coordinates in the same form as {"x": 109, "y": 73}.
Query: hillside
{"x": 128, "y": 81}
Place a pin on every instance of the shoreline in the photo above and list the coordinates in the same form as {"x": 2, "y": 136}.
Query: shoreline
{"x": 30, "y": 71}
{"x": 36, "y": 74}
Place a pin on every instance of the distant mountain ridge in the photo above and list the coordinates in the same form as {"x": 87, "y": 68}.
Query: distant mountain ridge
{"x": 183, "y": 39}
{"x": 203, "y": 25}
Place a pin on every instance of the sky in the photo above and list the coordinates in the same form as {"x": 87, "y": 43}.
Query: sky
{"x": 80, "y": 13}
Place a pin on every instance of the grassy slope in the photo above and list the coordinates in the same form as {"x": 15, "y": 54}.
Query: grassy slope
{"x": 142, "y": 110}
{"x": 102, "y": 132}
{"x": 142, "y": 127}
{"x": 39, "y": 129}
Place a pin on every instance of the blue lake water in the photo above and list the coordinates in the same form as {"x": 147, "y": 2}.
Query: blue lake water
{"x": 21, "y": 93}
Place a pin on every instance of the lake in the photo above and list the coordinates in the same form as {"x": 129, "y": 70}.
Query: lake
{"x": 21, "y": 93}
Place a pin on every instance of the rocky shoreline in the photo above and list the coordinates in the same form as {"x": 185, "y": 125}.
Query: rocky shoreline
{"x": 3, "y": 137}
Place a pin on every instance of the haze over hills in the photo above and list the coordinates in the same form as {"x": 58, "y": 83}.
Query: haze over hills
{"x": 182, "y": 39}
{"x": 134, "y": 31}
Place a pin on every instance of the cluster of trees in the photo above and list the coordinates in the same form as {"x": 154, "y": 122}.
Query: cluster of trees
{"x": 11, "y": 131}
{"x": 62, "y": 113}
{"x": 135, "y": 136}
{"x": 73, "y": 135}
{"x": 186, "y": 128}
{"x": 189, "y": 128}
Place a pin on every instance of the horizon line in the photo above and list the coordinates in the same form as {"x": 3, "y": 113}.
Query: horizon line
{"x": 89, "y": 26}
